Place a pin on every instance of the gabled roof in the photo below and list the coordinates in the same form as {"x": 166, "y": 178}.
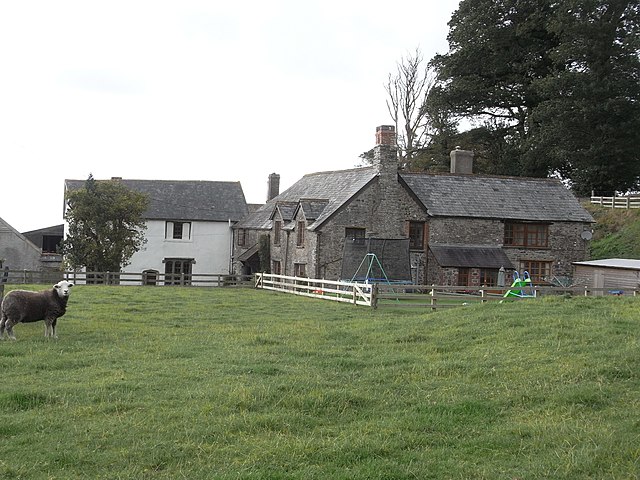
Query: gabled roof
{"x": 187, "y": 199}
{"x": 6, "y": 228}
{"x": 480, "y": 196}
{"x": 286, "y": 209}
{"x": 336, "y": 188}
{"x": 311, "y": 208}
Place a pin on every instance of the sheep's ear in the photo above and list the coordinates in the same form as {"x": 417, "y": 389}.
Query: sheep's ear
{"x": 56, "y": 286}
{"x": 71, "y": 284}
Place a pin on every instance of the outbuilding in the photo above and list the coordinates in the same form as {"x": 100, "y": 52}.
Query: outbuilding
{"x": 615, "y": 275}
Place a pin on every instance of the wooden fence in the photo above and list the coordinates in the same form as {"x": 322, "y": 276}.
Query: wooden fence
{"x": 617, "y": 202}
{"x": 417, "y": 296}
{"x": 446, "y": 296}
{"x": 347, "y": 292}
{"x": 126, "y": 278}
{"x": 372, "y": 295}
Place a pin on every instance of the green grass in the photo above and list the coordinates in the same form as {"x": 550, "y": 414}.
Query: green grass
{"x": 616, "y": 233}
{"x": 199, "y": 383}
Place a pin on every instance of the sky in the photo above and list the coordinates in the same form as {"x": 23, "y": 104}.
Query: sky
{"x": 194, "y": 90}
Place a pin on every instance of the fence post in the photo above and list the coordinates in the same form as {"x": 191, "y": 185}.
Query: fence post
{"x": 586, "y": 290}
{"x": 434, "y": 300}
{"x": 374, "y": 296}
{"x": 482, "y": 294}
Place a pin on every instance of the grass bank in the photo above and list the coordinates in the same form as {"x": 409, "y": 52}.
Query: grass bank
{"x": 169, "y": 383}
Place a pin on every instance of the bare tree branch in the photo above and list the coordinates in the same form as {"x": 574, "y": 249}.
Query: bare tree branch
{"x": 408, "y": 90}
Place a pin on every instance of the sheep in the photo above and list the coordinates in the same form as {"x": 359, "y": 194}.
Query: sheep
{"x": 23, "y": 306}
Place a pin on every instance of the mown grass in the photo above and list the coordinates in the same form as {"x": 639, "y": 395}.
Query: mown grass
{"x": 168, "y": 383}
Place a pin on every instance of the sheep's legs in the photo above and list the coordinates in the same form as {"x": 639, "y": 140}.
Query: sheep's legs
{"x": 50, "y": 328}
{"x": 2, "y": 321}
{"x": 7, "y": 324}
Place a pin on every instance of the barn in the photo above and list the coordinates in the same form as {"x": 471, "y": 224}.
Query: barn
{"x": 610, "y": 274}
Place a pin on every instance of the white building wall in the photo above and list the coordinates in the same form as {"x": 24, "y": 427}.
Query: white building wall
{"x": 209, "y": 245}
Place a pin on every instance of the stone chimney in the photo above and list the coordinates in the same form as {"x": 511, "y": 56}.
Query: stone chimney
{"x": 273, "y": 187}
{"x": 461, "y": 161}
{"x": 385, "y": 153}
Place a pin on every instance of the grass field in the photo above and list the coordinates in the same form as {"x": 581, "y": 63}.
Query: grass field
{"x": 200, "y": 383}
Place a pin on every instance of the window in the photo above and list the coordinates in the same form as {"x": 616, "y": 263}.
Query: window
{"x": 178, "y": 230}
{"x": 50, "y": 243}
{"x": 463, "y": 276}
{"x": 538, "y": 271}
{"x": 526, "y": 235}
{"x": 277, "y": 228}
{"x": 300, "y": 239}
{"x": 276, "y": 267}
{"x": 416, "y": 235}
{"x": 356, "y": 235}
{"x": 178, "y": 271}
{"x": 489, "y": 277}
{"x": 241, "y": 237}
{"x": 300, "y": 269}
{"x": 150, "y": 277}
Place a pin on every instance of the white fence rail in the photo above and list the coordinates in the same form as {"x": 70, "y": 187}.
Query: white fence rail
{"x": 617, "y": 202}
{"x": 347, "y": 292}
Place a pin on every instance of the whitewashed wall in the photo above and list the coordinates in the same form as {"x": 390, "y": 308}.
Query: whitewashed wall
{"x": 209, "y": 245}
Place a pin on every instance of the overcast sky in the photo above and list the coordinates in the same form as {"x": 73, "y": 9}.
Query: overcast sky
{"x": 194, "y": 90}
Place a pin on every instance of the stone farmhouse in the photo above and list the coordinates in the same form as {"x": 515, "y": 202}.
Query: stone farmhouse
{"x": 461, "y": 228}
{"x": 188, "y": 227}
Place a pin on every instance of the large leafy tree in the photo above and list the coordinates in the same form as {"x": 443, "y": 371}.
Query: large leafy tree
{"x": 588, "y": 122}
{"x": 554, "y": 84}
{"x": 105, "y": 225}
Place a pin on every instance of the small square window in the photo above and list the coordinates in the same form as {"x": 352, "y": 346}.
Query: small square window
{"x": 356, "y": 235}
{"x": 178, "y": 230}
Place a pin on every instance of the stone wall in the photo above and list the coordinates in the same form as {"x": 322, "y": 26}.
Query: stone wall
{"x": 381, "y": 210}
{"x": 565, "y": 244}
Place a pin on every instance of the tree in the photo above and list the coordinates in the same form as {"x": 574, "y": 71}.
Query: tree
{"x": 589, "y": 120}
{"x": 409, "y": 105}
{"x": 264, "y": 253}
{"x": 557, "y": 81}
{"x": 105, "y": 225}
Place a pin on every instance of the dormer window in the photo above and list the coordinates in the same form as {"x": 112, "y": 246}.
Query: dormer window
{"x": 277, "y": 229}
{"x": 300, "y": 238}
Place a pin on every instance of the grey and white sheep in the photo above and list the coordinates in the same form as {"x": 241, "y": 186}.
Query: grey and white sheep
{"x": 24, "y": 306}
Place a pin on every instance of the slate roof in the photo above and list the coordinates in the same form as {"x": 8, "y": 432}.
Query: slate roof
{"x": 312, "y": 208}
{"x": 479, "y": 196}
{"x": 476, "y": 256}
{"x": 286, "y": 209}
{"x": 196, "y": 200}
{"x": 335, "y": 187}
